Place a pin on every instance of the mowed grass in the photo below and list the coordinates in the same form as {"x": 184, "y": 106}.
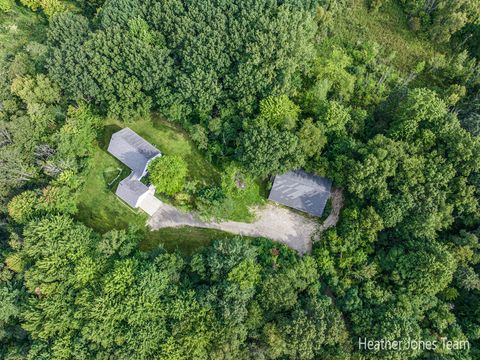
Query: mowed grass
{"x": 388, "y": 27}
{"x": 100, "y": 208}
{"x": 170, "y": 140}
{"x": 184, "y": 239}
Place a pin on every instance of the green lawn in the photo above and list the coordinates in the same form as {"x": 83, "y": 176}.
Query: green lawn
{"x": 170, "y": 140}
{"x": 100, "y": 208}
{"x": 185, "y": 239}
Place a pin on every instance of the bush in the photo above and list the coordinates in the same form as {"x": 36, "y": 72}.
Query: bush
{"x": 375, "y": 5}
{"x": 210, "y": 196}
{"x": 168, "y": 174}
{"x": 414, "y": 23}
{"x": 209, "y": 200}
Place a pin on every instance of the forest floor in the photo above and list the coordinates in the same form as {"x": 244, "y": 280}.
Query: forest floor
{"x": 273, "y": 222}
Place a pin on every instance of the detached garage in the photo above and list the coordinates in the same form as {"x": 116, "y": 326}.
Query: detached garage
{"x": 301, "y": 191}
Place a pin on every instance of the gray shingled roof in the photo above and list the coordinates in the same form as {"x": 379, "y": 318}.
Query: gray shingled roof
{"x": 132, "y": 150}
{"x": 302, "y": 191}
{"x": 130, "y": 189}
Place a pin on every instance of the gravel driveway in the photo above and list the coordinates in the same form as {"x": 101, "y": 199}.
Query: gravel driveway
{"x": 273, "y": 222}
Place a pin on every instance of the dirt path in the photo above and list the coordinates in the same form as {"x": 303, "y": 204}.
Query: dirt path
{"x": 273, "y": 222}
{"x": 337, "y": 205}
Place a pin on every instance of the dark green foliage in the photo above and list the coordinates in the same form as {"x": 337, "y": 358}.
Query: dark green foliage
{"x": 407, "y": 184}
{"x": 223, "y": 303}
{"x": 269, "y": 151}
{"x": 279, "y": 85}
{"x": 167, "y": 54}
{"x": 443, "y": 18}
{"x": 67, "y": 63}
{"x": 117, "y": 67}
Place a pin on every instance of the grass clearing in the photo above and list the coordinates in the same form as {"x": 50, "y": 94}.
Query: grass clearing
{"x": 388, "y": 27}
{"x": 170, "y": 140}
{"x": 19, "y": 26}
{"x": 99, "y": 207}
{"x": 238, "y": 205}
{"x": 184, "y": 239}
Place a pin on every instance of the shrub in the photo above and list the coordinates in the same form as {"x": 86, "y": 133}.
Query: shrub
{"x": 168, "y": 174}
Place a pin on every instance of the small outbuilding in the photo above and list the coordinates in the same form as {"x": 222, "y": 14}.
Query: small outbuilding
{"x": 301, "y": 191}
{"x": 136, "y": 153}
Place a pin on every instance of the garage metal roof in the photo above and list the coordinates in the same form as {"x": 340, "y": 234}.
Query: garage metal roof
{"x": 302, "y": 191}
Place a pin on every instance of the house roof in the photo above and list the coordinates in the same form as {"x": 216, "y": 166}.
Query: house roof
{"x": 130, "y": 189}
{"x": 132, "y": 150}
{"x": 302, "y": 191}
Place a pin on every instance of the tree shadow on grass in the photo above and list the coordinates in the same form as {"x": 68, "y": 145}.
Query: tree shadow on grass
{"x": 105, "y": 135}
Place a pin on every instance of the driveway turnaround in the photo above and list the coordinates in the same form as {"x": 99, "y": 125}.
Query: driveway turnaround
{"x": 273, "y": 222}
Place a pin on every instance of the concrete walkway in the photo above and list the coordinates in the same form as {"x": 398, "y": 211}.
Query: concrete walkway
{"x": 273, "y": 222}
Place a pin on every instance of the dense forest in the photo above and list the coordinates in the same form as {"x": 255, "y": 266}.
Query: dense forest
{"x": 381, "y": 96}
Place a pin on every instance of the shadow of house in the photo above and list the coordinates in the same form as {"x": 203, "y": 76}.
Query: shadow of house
{"x": 136, "y": 153}
{"x": 301, "y": 191}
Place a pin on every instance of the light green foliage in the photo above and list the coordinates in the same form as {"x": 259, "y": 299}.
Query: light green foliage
{"x": 171, "y": 310}
{"x": 168, "y": 173}
{"x": 246, "y": 274}
{"x": 50, "y": 7}
{"x": 22, "y": 207}
{"x": 139, "y": 29}
{"x": 233, "y": 199}
{"x": 408, "y": 183}
{"x": 76, "y": 138}
{"x": 278, "y": 112}
{"x": 38, "y": 90}
{"x": 336, "y": 117}
{"x": 332, "y": 68}
{"x": 312, "y": 138}
{"x": 375, "y": 5}
{"x": 6, "y": 5}
{"x": 58, "y": 199}
{"x": 422, "y": 106}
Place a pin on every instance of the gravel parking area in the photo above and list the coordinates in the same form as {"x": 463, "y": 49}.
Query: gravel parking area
{"x": 273, "y": 222}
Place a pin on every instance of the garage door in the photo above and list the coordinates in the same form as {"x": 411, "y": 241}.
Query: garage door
{"x": 150, "y": 204}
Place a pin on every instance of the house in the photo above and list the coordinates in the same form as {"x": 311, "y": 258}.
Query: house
{"x": 136, "y": 153}
{"x": 302, "y": 191}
